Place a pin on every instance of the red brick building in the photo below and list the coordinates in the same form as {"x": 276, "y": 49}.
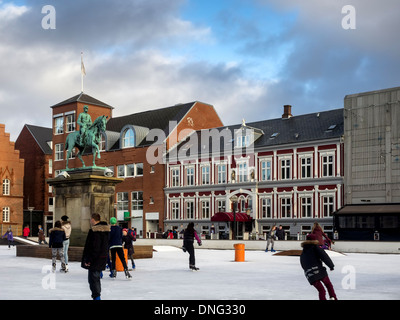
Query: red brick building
{"x": 125, "y": 147}
{"x": 11, "y": 178}
{"x": 35, "y": 146}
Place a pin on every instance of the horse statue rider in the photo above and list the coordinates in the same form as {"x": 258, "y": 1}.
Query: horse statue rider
{"x": 84, "y": 121}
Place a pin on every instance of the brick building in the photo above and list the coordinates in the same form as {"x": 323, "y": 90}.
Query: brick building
{"x": 125, "y": 148}
{"x": 35, "y": 146}
{"x": 11, "y": 178}
{"x": 286, "y": 171}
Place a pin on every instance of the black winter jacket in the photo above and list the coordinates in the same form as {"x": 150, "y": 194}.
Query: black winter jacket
{"x": 95, "y": 252}
{"x": 311, "y": 261}
{"x": 57, "y": 236}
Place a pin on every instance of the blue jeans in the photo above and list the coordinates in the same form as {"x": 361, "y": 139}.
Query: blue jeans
{"x": 66, "y": 246}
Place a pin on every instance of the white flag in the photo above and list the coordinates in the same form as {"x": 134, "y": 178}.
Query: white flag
{"x": 83, "y": 71}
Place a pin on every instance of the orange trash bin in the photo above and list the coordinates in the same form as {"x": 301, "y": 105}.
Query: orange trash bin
{"x": 239, "y": 252}
{"x": 118, "y": 263}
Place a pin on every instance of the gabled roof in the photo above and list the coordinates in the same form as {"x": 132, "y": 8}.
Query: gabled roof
{"x": 42, "y": 136}
{"x": 83, "y": 98}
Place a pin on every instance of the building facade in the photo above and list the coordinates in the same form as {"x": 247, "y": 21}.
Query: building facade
{"x": 11, "y": 178}
{"x": 286, "y": 171}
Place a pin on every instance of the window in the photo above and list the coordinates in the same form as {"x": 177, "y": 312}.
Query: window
{"x": 190, "y": 209}
{"x": 59, "y": 125}
{"x": 6, "y": 214}
{"x": 190, "y": 176}
{"x": 265, "y": 208}
{"x": 205, "y": 209}
{"x": 243, "y": 140}
{"x": 128, "y": 139}
{"x": 205, "y": 174}
{"x": 137, "y": 200}
{"x": 265, "y": 170}
{"x": 286, "y": 169}
{"x": 221, "y": 173}
{"x": 328, "y": 206}
{"x": 102, "y": 144}
{"x": 243, "y": 172}
{"x": 327, "y": 166}
{"x": 71, "y": 122}
{"x": 175, "y": 209}
{"x": 306, "y": 167}
{"x": 6, "y": 187}
{"x": 306, "y": 207}
{"x": 286, "y": 207}
{"x": 139, "y": 169}
{"x": 122, "y": 201}
{"x": 121, "y": 171}
{"x": 59, "y": 152}
{"x": 221, "y": 205}
{"x": 175, "y": 177}
{"x": 130, "y": 170}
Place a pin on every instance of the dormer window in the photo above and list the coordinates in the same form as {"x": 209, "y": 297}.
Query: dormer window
{"x": 128, "y": 139}
{"x": 274, "y": 135}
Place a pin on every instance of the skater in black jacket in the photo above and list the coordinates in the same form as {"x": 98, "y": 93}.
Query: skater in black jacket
{"x": 311, "y": 261}
{"x": 188, "y": 238}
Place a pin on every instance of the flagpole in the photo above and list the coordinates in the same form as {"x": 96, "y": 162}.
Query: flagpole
{"x": 83, "y": 71}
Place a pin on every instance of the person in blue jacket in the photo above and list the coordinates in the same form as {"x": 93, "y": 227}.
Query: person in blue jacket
{"x": 10, "y": 238}
{"x": 115, "y": 244}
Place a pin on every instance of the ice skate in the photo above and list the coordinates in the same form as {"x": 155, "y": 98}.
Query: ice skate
{"x": 183, "y": 249}
{"x": 113, "y": 274}
{"x": 193, "y": 268}
{"x": 53, "y": 268}
{"x": 127, "y": 274}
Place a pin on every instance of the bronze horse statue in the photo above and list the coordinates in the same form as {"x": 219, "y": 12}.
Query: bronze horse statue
{"x": 92, "y": 138}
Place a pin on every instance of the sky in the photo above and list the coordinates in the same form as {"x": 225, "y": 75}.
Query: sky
{"x": 247, "y": 58}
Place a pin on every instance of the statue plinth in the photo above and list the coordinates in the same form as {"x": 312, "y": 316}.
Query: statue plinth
{"x": 81, "y": 193}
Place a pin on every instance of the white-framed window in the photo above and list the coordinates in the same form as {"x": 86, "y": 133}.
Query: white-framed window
{"x": 59, "y": 125}
{"x": 71, "y": 124}
{"x": 286, "y": 207}
{"x": 306, "y": 167}
{"x": 266, "y": 208}
{"x": 328, "y": 164}
{"x": 205, "y": 209}
{"x": 221, "y": 169}
{"x": 190, "y": 176}
{"x": 128, "y": 139}
{"x": 121, "y": 171}
{"x": 175, "y": 176}
{"x": 175, "y": 210}
{"x": 102, "y": 144}
{"x": 205, "y": 174}
{"x": 139, "y": 169}
{"x": 6, "y": 187}
{"x": 59, "y": 152}
{"x": 265, "y": 170}
{"x": 189, "y": 209}
{"x": 306, "y": 207}
{"x": 130, "y": 170}
{"x": 137, "y": 200}
{"x": 122, "y": 201}
{"x": 328, "y": 205}
{"x": 243, "y": 170}
{"x": 221, "y": 205}
{"x": 286, "y": 168}
{"x": 6, "y": 214}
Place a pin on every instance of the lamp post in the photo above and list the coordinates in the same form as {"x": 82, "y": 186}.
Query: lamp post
{"x": 234, "y": 200}
{"x": 30, "y": 220}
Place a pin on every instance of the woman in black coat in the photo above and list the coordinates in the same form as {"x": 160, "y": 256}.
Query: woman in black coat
{"x": 311, "y": 261}
{"x": 188, "y": 238}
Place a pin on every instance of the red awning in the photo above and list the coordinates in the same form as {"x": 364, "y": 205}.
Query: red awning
{"x": 228, "y": 216}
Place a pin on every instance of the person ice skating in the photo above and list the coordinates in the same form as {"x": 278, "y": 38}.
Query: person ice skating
{"x": 271, "y": 239}
{"x": 280, "y": 233}
{"x": 10, "y": 238}
{"x": 188, "y": 238}
{"x": 115, "y": 243}
{"x": 127, "y": 238}
{"x": 323, "y": 239}
{"x": 41, "y": 236}
{"x": 95, "y": 253}
{"x": 26, "y": 232}
{"x": 311, "y": 261}
{"x": 57, "y": 237}
{"x": 66, "y": 225}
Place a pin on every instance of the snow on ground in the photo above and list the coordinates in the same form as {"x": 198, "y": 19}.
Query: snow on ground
{"x": 167, "y": 277}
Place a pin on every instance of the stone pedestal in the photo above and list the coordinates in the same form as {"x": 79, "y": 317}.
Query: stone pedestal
{"x": 79, "y": 195}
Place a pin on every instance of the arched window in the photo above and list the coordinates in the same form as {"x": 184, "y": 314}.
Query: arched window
{"x": 6, "y": 187}
{"x": 128, "y": 139}
{"x": 6, "y": 214}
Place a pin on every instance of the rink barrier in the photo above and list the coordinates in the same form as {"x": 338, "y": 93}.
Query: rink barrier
{"x": 341, "y": 246}
{"x": 75, "y": 253}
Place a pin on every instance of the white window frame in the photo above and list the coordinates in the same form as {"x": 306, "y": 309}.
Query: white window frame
{"x": 308, "y": 167}
{"x": 266, "y": 207}
{"x": 70, "y": 122}
{"x": 190, "y": 209}
{"x": 285, "y": 167}
{"x": 59, "y": 125}
{"x": 128, "y": 141}
{"x": 175, "y": 176}
{"x": 205, "y": 209}
{"x": 306, "y": 206}
{"x": 6, "y": 214}
{"x": 222, "y": 173}
{"x": 137, "y": 200}
{"x": 328, "y": 207}
{"x": 265, "y": 168}
{"x": 6, "y": 187}
{"x": 190, "y": 175}
{"x": 175, "y": 210}
{"x": 59, "y": 152}
{"x": 285, "y": 202}
{"x": 205, "y": 174}
{"x": 327, "y": 165}
{"x": 242, "y": 171}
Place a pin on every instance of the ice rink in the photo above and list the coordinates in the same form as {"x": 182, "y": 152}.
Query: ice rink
{"x": 167, "y": 277}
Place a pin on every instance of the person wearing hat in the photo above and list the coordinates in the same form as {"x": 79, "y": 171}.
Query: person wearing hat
{"x": 115, "y": 244}
{"x": 127, "y": 238}
{"x": 311, "y": 261}
{"x": 66, "y": 225}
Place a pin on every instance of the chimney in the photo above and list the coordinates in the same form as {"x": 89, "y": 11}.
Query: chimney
{"x": 287, "y": 112}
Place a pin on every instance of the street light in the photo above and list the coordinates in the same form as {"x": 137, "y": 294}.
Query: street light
{"x": 234, "y": 200}
{"x": 30, "y": 220}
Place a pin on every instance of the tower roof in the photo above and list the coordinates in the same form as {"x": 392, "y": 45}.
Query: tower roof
{"x": 83, "y": 98}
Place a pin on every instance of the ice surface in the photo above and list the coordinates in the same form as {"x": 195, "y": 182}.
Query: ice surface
{"x": 261, "y": 277}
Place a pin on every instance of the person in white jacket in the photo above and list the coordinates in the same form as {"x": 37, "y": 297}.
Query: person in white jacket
{"x": 66, "y": 225}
